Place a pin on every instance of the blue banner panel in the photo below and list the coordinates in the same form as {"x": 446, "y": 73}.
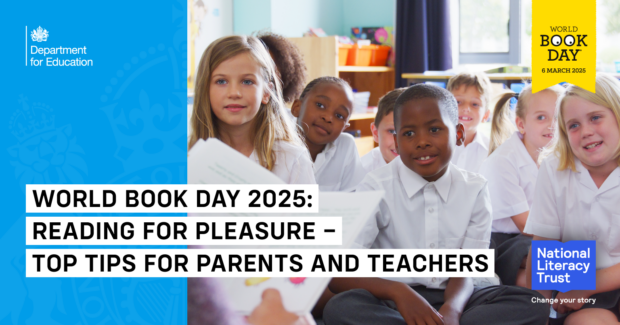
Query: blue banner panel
{"x": 92, "y": 93}
{"x": 563, "y": 266}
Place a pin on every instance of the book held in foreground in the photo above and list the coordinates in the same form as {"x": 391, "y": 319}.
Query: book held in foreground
{"x": 213, "y": 162}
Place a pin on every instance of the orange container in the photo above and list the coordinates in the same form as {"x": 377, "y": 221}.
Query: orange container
{"x": 368, "y": 55}
{"x": 343, "y": 53}
{"x": 360, "y": 55}
{"x": 380, "y": 55}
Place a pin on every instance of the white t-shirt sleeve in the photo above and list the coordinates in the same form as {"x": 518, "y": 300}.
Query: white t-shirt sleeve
{"x": 353, "y": 171}
{"x": 478, "y": 234}
{"x": 508, "y": 197}
{"x": 301, "y": 171}
{"x": 543, "y": 219}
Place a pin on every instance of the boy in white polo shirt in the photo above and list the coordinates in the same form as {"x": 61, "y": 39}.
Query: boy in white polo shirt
{"x": 383, "y": 133}
{"x": 429, "y": 204}
{"x": 472, "y": 91}
{"x": 323, "y": 111}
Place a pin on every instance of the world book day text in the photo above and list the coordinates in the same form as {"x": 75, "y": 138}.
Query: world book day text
{"x": 188, "y": 198}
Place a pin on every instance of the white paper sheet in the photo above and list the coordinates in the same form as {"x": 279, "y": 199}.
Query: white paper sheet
{"x": 213, "y": 162}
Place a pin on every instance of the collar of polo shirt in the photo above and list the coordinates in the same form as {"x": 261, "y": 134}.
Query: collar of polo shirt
{"x": 412, "y": 182}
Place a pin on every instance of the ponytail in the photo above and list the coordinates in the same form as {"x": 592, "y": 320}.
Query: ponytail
{"x": 502, "y": 126}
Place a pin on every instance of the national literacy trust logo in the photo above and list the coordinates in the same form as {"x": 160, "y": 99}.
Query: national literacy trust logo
{"x": 60, "y": 56}
{"x": 563, "y": 43}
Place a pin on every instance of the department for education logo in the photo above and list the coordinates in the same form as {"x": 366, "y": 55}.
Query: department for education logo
{"x": 53, "y": 54}
{"x": 39, "y": 35}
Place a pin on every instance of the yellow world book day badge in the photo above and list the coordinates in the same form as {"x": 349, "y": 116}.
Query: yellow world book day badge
{"x": 563, "y": 43}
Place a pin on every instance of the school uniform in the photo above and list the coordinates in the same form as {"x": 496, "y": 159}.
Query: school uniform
{"x": 373, "y": 160}
{"x": 338, "y": 166}
{"x": 452, "y": 212}
{"x": 511, "y": 174}
{"x": 471, "y": 157}
{"x": 568, "y": 206}
{"x": 293, "y": 164}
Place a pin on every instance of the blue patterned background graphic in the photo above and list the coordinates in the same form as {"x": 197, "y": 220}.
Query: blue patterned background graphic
{"x": 120, "y": 121}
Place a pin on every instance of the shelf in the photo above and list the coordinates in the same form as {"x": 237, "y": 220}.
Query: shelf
{"x": 352, "y": 68}
{"x": 446, "y": 76}
{"x": 362, "y": 116}
{"x": 493, "y": 76}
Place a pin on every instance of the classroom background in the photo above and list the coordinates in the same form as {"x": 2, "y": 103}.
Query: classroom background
{"x": 380, "y": 45}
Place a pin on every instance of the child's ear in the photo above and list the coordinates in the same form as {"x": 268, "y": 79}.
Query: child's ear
{"x": 520, "y": 125}
{"x": 266, "y": 95}
{"x": 296, "y": 108}
{"x": 486, "y": 115}
{"x": 375, "y": 132}
{"x": 460, "y": 134}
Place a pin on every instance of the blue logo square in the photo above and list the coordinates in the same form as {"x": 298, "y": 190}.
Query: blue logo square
{"x": 563, "y": 266}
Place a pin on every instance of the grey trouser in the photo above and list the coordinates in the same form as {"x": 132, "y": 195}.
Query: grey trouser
{"x": 510, "y": 251}
{"x": 490, "y": 305}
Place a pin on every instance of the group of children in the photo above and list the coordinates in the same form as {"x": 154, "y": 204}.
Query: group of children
{"x": 447, "y": 185}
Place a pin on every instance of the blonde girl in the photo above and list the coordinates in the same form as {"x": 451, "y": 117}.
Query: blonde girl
{"x": 511, "y": 172}
{"x": 239, "y": 101}
{"x": 577, "y": 194}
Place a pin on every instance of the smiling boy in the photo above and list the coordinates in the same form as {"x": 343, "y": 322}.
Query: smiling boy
{"x": 429, "y": 204}
{"x": 472, "y": 93}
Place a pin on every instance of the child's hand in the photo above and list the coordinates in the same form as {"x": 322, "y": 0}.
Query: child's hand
{"x": 574, "y": 295}
{"x": 450, "y": 316}
{"x": 271, "y": 310}
{"x": 415, "y": 309}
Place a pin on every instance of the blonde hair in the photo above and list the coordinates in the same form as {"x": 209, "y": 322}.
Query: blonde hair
{"x": 502, "y": 122}
{"x": 607, "y": 94}
{"x": 270, "y": 123}
{"x": 480, "y": 80}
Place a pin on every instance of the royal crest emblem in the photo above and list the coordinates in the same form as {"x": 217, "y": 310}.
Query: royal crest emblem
{"x": 39, "y": 35}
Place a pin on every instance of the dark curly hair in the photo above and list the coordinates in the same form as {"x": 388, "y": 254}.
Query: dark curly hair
{"x": 289, "y": 62}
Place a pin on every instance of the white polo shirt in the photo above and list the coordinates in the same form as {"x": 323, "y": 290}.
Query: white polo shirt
{"x": 293, "y": 164}
{"x": 471, "y": 157}
{"x": 373, "y": 160}
{"x": 338, "y": 166}
{"x": 511, "y": 173}
{"x": 452, "y": 212}
{"x": 568, "y": 206}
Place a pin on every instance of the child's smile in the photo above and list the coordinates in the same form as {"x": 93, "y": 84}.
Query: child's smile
{"x": 321, "y": 127}
{"x": 234, "y": 108}
{"x": 426, "y": 159}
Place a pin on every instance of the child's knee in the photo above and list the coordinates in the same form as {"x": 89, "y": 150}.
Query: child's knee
{"x": 591, "y": 316}
{"x": 527, "y": 297}
{"x": 341, "y": 306}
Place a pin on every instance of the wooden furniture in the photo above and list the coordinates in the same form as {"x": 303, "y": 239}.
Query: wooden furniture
{"x": 321, "y": 58}
{"x": 504, "y": 78}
